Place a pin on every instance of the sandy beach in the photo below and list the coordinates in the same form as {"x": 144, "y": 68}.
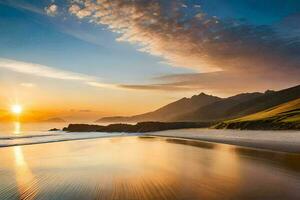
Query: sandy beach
{"x": 285, "y": 141}
{"x": 146, "y": 168}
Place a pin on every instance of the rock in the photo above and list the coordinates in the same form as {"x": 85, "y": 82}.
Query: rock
{"x": 54, "y": 129}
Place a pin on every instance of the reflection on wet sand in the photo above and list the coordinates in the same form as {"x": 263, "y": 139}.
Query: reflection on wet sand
{"x": 24, "y": 178}
{"x": 143, "y": 168}
{"x": 290, "y": 161}
{"x": 195, "y": 143}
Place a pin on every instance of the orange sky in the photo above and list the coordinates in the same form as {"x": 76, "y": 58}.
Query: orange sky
{"x": 41, "y": 103}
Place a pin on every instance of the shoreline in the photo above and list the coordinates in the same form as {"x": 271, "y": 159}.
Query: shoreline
{"x": 279, "y": 141}
{"x": 65, "y": 139}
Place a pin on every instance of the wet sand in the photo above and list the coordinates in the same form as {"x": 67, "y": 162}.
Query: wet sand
{"x": 146, "y": 168}
{"x": 284, "y": 141}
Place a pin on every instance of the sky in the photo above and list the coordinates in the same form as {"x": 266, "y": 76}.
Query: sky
{"x": 85, "y": 59}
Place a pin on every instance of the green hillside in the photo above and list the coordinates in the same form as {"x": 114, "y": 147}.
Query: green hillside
{"x": 283, "y": 116}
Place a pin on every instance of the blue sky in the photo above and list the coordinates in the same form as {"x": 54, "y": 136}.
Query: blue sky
{"x": 73, "y": 45}
{"x": 169, "y": 49}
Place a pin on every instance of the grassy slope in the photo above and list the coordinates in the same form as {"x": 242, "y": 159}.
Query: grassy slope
{"x": 283, "y": 116}
{"x": 289, "y": 111}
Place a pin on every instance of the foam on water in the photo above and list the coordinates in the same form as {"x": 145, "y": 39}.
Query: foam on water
{"x": 15, "y": 133}
{"x": 56, "y": 136}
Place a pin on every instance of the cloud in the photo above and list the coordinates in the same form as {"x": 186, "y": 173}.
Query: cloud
{"x": 222, "y": 83}
{"x": 27, "y": 85}
{"x": 186, "y": 36}
{"x": 51, "y": 10}
{"x": 82, "y": 111}
{"x": 102, "y": 85}
{"x": 74, "y": 9}
{"x": 41, "y": 70}
{"x": 86, "y": 110}
{"x": 199, "y": 41}
{"x": 161, "y": 86}
{"x": 143, "y": 22}
{"x": 80, "y": 13}
{"x": 51, "y": 72}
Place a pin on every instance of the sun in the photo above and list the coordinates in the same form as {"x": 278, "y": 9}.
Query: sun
{"x": 16, "y": 109}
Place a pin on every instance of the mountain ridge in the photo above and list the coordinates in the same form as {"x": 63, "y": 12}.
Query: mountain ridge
{"x": 205, "y": 107}
{"x": 167, "y": 112}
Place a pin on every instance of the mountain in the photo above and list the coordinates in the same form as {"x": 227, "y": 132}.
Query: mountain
{"x": 283, "y": 116}
{"x": 268, "y": 100}
{"x": 241, "y": 105}
{"x": 218, "y": 110}
{"x": 205, "y": 107}
{"x": 168, "y": 112}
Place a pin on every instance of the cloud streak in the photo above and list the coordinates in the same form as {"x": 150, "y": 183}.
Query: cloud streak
{"x": 28, "y": 85}
{"x": 51, "y": 72}
{"x": 222, "y": 83}
{"x": 41, "y": 70}
{"x": 102, "y": 85}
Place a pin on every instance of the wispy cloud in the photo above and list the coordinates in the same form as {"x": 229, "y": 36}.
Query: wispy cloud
{"x": 20, "y": 4}
{"x": 41, "y": 70}
{"x": 102, "y": 85}
{"x": 50, "y": 72}
{"x": 173, "y": 86}
{"x": 51, "y": 10}
{"x": 28, "y": 85}
{"x": 223, "y": 83}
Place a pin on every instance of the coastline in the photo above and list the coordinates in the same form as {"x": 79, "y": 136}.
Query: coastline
{"x": 58, "y": 138}
{"x": 281, "y": 141}
{"x": 268, "y": 139}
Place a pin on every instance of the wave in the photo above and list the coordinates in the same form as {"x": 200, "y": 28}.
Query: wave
{"x": 27, "y": 136}
{"x": 59, "y": 137}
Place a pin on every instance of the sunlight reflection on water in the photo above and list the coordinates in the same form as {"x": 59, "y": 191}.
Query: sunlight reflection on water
{"x": 17, "y": 128}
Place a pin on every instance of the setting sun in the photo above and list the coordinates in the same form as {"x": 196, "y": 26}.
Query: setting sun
{"x": 16, "y": 109}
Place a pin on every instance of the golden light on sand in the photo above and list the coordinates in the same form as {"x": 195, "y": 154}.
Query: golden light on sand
{"x": 24, "y": 177}
{"x": 16, "y": 109}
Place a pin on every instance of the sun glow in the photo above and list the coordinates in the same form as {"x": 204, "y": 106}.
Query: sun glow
{"x": 16, "y": 109}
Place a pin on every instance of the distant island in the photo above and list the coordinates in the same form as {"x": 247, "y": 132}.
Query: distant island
{"x": 53, "y": 120}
